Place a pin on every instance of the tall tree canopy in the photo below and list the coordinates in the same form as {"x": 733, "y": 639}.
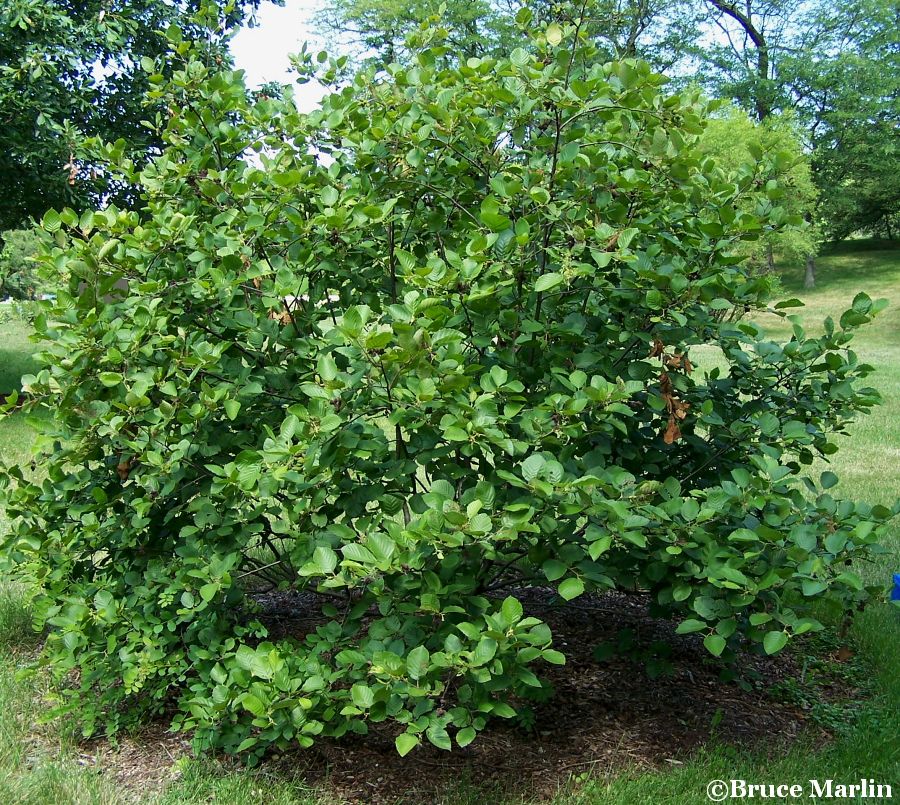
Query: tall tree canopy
{"x": 833, "y": 65}
{"x": 845, "y": 82}
{"x": 739, "y": 144}
{"x": 656, "y": 30}
{"x": 70, "y": 70}
{"x": 836, "y": 66}
{"x": 741, "y": 59}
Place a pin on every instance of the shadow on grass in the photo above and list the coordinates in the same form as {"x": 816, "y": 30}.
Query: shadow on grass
{"x": 847, "y": 267}
{"x": 13, "y": 364}
{"x": 15, "y": 619}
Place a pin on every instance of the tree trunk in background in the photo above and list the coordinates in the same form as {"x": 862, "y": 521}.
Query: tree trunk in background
{"x": 809, "y": 281}
{"x": 770, "y": 258}
{"x": 744, "y": 18}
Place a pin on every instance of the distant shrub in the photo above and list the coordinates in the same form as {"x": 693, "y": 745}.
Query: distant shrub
{"x": 740, "y": 146}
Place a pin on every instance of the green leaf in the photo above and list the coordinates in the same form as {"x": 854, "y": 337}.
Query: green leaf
{"x": 532, "y": 466}
{"x": 813, "y": 587}
{"x": 512, "y": 610}
{"x": 108, "y": 247}
{"x": 358, "y": 553}
{"x": 834, "y": 543}
{"x": 465, "y": 736}
{"x": 599, "y": 546}
{"x": 232, "y": 407}
{"x": 690, "y": 625}
{"x": 406, "y": 742}
{"x": 554, "y": 34}
{"x": 774, "y": 641}
{"x": 491, "y": 216}
{"x": 352, "y": 320}
{"x": 209, "y": 591}
{"x": 851, "y": 579}
{"x": 484, "y": 651}
{"x": 325, "y": 559}
{"x": 554, "y": 569}
{"x": 503, "y": 710}
{"x": 455, "y": 434}
{"x": 715, "y": 644}
{"x": 362, "y": 696}
{"x": 111, "y": 379}
{"x": 690, "y": 509}
{"x": 547, "y": 281}
{"x": 553, "y": 656}
{"x": 443, "y": 488}
{"x": 314, "y": 391}
{"x": 794, "y": 429}
{"x": 327, "y": 368}
{"x": 417, "y": 662}
{"x": 381, "y": 547}
{"x": 254, "y": 704}
{"x": 437, "y": 734}
{"x": 571, "y": 588}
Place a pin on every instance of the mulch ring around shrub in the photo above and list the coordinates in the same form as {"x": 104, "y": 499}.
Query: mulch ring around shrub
{"x": 608, "y": 715}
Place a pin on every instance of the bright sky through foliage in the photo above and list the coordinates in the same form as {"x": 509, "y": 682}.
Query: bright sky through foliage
{"x": 263, "y": 50}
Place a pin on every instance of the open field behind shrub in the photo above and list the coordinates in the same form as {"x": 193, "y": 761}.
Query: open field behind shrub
{"x": 44, "y": 764}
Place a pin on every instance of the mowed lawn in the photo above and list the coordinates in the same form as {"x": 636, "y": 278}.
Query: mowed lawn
{"x": 40, "y": 764}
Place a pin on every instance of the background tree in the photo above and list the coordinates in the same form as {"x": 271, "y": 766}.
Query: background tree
{"x": 834, "y": 65}
{"x": 844, "y": 81}
{"x": 378, "y": 29}
{"x": 744, "y": 66}
{"x": 18, "y": 270}
{"x": 69, "y": 71}
{"x": 739, "y": 144}
{"x": 655, "y": 30}
{"x": 837, "y": 67}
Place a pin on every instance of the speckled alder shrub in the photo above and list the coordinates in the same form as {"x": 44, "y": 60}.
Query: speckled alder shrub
{"x": 448, "y": 337}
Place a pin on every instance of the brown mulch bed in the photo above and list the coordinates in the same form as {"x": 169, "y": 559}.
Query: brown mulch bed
{"x": 607, "y": 716}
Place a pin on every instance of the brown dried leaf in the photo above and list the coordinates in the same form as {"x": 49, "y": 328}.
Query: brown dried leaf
{"x": 673, "y": 432}
{"x": 665, "y": 384}
{"x": 123, "y": 468}
{"x": 843, "y": 654}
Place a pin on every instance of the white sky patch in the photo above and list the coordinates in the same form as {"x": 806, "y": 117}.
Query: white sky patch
{"x": 263, "y": 51}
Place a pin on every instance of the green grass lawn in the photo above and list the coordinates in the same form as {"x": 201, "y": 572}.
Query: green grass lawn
{"x": 15, "y": 350}
{"x": 41, "y": 764}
